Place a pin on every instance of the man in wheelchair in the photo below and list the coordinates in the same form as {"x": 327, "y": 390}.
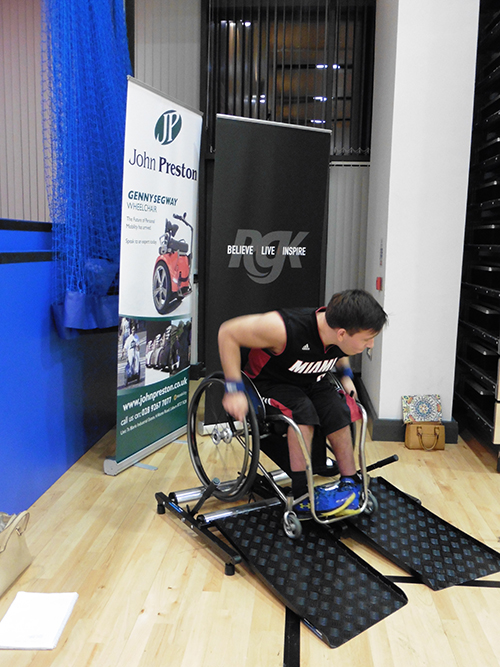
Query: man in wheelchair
{"x": 291, "y": 350}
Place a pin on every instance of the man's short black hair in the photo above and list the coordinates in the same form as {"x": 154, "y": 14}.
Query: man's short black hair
{"x": 355, "y": 310}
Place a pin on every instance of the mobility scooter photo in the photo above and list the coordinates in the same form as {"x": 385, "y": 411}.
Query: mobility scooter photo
{"x": 171, "y": 276}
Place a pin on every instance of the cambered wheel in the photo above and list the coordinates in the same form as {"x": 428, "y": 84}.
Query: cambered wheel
{"x": 219, "y": 446}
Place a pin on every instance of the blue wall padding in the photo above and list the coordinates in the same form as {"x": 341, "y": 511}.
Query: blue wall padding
{"x": 13, "y": 241}
{"x": 58, "y": 396}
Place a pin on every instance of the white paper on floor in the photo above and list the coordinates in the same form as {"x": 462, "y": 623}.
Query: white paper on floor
{"x": 36, "y": 620}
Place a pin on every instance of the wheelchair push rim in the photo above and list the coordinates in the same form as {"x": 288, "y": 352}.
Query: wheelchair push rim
{"x": 218, "y": 446}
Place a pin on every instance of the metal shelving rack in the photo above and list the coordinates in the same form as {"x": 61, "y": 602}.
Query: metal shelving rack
{"x": 477, "y": 393}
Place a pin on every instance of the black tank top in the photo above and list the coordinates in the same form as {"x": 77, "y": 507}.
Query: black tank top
{"x": 304, "y": 359}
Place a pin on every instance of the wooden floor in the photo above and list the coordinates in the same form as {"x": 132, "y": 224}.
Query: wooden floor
{"x": 150, "y": 594}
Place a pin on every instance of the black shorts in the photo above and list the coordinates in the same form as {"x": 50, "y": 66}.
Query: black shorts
{"x": 319, "y": 404}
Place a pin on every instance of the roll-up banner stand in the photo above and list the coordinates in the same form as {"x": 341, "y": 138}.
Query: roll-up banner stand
{"x": 159, "y": 210}
{"x": 268, "y": 233}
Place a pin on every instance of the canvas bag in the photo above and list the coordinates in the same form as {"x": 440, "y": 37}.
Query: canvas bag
{"x": 422, "y": 416}
{"x": 14, "y": 553}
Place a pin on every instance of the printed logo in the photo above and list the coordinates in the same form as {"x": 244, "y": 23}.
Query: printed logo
{"x": 312, "y": 366}
{"x": 306, "y": 347}
{"x": 168, "y": 127}
{"x": 264, "y": 256}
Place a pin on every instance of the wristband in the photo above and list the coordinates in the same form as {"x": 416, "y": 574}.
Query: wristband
{"x": 348, "y": 371}
{"x": 234, "y": 386}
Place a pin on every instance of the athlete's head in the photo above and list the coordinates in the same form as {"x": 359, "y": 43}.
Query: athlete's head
{"x": 355, "y": 310}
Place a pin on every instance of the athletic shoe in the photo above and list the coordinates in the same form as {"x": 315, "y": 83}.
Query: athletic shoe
{"x": 342, "y": 497}
{"x": 349, "y": 487}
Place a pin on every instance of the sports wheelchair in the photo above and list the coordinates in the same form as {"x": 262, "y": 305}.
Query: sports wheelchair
{"x": 226, "y": 454}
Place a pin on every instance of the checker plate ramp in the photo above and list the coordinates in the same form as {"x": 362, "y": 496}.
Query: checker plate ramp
{"x": 420, "y": 542}
{"x": 336, "y": 593}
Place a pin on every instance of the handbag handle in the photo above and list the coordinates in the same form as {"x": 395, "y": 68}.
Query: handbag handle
{"x": 421, "y": 438}
{"x": 17, "y": 524}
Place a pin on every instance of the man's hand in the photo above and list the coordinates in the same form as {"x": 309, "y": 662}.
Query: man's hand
{"x": 349, "y": 386}
{"x": 236, "y": 404}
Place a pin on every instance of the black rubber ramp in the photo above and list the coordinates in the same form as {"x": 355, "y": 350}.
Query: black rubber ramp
{"x": 421, "y": 543}
{"x": 336, "y": 593}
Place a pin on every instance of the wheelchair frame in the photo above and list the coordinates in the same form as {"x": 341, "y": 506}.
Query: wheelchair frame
{"x": 258, "y": 421}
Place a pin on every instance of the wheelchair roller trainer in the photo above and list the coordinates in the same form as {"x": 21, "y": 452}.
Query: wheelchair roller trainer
{"x": 307, "y": 569}
{"x": 226, "y": 457}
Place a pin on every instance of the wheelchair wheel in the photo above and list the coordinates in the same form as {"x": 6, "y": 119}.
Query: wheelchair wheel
{"x": 219, "y": 446}
{"x": 292, "y": 525}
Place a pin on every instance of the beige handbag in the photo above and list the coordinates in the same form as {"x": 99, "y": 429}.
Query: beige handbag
{"x": 425, "y": 435}
{"x": 14, "y": 553}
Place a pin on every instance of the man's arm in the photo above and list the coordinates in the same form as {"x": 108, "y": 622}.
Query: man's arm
{"x": 346, "y": 376}
{"x": 265, "y": 330}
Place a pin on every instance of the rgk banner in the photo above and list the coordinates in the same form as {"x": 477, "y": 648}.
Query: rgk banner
{"x": 267, "y": 236}
{"x": 160, "y": 200}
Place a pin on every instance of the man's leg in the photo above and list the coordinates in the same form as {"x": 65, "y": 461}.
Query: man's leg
{"x": 297, "y": 460}
{"x": 346, "y": 493}
{"x": 327, "y": 498}
{"x": 341, "y": 444}
{"x": 341, "y": 497}
{"x": 335, "y": 418}
{"x": 290, "y": 401}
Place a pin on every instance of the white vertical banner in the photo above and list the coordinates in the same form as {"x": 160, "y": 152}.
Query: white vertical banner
{"x": 158, "y": 229}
